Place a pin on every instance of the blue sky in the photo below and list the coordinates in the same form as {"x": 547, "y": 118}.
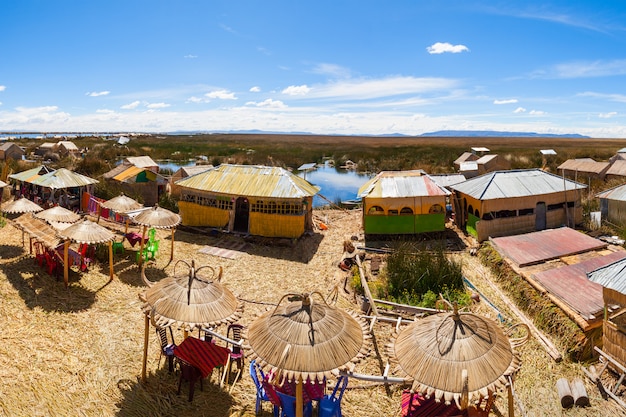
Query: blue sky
{"x": 326, "y": 67}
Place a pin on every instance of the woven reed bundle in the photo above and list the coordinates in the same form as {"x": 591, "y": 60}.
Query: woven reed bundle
{"x": 436, "y": 350}
{"x": 58, "y": 214}
{"x": 307, "y": 339}
{"x": 37, "y": 229}
{"x": 21, "y": 205}
{"x": 86, "y": 231}
{"x": 189, "y": 300}
{"x": 158, "y": 218}
{"x": 121, "y": 204}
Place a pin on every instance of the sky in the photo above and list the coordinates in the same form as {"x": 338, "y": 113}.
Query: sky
{"x": 354, "y": 67}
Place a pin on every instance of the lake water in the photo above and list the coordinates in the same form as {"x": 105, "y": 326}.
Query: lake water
{"x": 336, "y": 184}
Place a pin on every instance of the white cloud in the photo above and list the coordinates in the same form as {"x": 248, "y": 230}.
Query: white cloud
{"x": 98, "y": 93}
{"x": 519, "y": 110}
{"x": 296, "y": 90}
{"x": 269, "y": 103}
{"x": 620, "y": 98}
{"x": 441, "y": 47}
{"x": 255, "y": 89}
{"x": 3, "y": 87}
{"x": 194, "y": 99}
{"x": 157, "y": 105}
{"x": 607, "y": 115}
{"x": 104, "y": 111}
{"x": 508, "y": 101}
{"x": 222, "y": 95}
{"x": 190, "y": 56}
{"x": 131, "y": 106}
{"x": 537, "y": 112}
{"x": 587, "y": 69}
{"x": 334, "y": 70}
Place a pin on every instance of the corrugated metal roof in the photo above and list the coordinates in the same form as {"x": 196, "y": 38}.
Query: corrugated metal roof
{"x": 480, "y": 149}
{"x": 584, "y": 165}
{"x": 250, "y": 180}
{"x": 515, "y": 183}
{"x": 469, "y": 166}
{"x": 129, "y": 172}
{"x": 117, "y": 170}
{"x": 195, "y": 169}
{"x": 611, "y": 276}
{"x": 142, "y": 161}
{"x": 31, "y": 174}
{"x": 548, "y": 152}
{"x": 466, "y": 157}
{"x": 446, "y": 180}
{"x": 618, "y": 167}
{"x": 537, "y": 247}
{"x": 63, "y": 178}
{"x": 615, "y": 193}
{"x": 486, "y": 158}
{"x": 396, "y": 184}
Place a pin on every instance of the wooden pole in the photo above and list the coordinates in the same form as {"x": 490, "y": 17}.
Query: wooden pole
{"x": 143, "y": 237}
{"x": 110, "y": 260}
{"x": 172, "y": 251}
{"x": 66, "y": 267}
{"x": 299, "y": 401}
{"x": 145, "y": 347}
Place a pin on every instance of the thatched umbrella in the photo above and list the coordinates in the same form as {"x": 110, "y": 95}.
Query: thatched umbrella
{"x": 189, "y": 301}
{"x": 86, "y": 231}
{"x": 20, "y": 206}
{"x": 58, "y": 214}
{"x": 307, "y": 339}
{"x": 159, "y": 218}
{"x": 121, "y": 204}
{"x": 456, "y": 356}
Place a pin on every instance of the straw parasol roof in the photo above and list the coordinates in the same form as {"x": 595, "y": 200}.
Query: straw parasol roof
{"x": 58, "y": 214}
{"x": 456, "y": 356}
{"x": 21, "y": 205}
{"x": 307, "y": 339}
{"x": 189, "y": 300}
{"x": 121, "y": 204}
{"x": 158, "y": 218}
{"x": 86, "y": 231}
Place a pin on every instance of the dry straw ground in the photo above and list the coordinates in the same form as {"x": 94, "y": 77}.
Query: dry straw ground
{"x": 78, "y": 351}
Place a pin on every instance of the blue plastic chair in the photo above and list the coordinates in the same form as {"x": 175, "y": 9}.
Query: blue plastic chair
{"x": 330, "y": 404}
{"x": 261, "y": 395}
{"x": 288, "y": 406}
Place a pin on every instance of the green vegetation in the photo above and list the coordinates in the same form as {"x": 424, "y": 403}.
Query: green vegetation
{"x": 416, "y": 276}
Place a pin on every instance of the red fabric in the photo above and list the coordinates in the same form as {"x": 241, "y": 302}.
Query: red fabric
{"x": 270, "y": 391}
{"x": 415, "y": 405}
{"x": 310, "y": 390}
{"x": 134, "y": 237}
{"x": 202, "y": 355}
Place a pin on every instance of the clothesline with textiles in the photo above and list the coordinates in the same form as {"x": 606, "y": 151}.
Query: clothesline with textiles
{"x": 105, "y": 213}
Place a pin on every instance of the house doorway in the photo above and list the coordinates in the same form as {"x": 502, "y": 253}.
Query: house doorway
{"x": 540, "y": 216}
{"x": 242, "y": 215}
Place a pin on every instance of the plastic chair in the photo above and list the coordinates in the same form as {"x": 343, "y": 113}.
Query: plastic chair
{"x": 167, "y": 347}
{"x": 40, "y": 253}
{"x": 83, "y": 250}
{"x": 288, "y": 406}
{"x": 118, "y": 247}
{"x": 330, "y": 405}
{"x": 234, "y": 332}
{"x": 51, "y": 264}
{"x": 191, "y": 374}
{"x": 261, "y": 394}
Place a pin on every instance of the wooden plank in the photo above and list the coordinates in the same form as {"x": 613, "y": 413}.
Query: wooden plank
{"x": 365, "y": 285}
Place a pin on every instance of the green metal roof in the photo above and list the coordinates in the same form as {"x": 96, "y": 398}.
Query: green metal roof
{"x": 250, "y": 180}
{"x": 63, "y": 178}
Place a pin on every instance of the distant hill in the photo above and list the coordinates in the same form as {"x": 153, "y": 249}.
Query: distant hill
{"x": 492, "y": 133}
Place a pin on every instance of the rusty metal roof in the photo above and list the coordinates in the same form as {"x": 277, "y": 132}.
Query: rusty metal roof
{"x": 397, "y": 184}
{"x": 537, "y": 247}
{"x": 571, "y": 285}
{"x": 611, "y": 276}
{"x": 63, "y": 178}
{"x": 250, "y": 180}
{"x": 515, "y": 183}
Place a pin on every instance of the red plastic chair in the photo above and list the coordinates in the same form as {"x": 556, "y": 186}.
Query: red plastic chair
{"x": 85, "y": 255}
{"x": 40, "y": 253}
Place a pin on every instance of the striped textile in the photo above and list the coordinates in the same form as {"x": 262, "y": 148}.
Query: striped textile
{"x": 415, "y": 405}
{"x": 204, "y": 356}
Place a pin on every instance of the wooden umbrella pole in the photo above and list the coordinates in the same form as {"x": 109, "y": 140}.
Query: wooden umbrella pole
{"x": 66, "y": 268}
{"x": 145, "y": 348}
{"x": 143, "y": 236}
{"x": 172, "y": 251}
{"x": 299, "y": 401}
{"x": 110, "y": 260}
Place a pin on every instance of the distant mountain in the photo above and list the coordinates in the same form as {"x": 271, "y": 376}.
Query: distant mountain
{"x": 492, "y": 133}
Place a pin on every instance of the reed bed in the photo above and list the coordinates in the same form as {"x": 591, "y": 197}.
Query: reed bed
{"x": 78, "y": 351}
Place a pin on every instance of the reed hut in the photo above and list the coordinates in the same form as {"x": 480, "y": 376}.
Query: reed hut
{"x": 142, "y": 182}
{"x": 613, "y": 205}
{"x": 613, "y": 280}
{"x": 403, "y": 202}
{"x": 259, "y": 200}
{"x": 505, "y": 203}
{"x": 583, "y": 168}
